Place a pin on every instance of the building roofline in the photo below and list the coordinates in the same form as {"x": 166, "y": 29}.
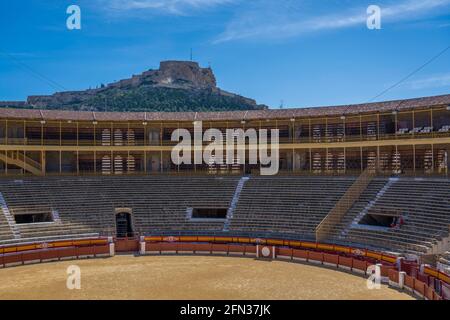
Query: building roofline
{"x": 247, "y": 115}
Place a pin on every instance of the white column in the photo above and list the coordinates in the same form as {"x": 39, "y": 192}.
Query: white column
{"x": 401, "y": 279}
{"x": 142, "y": 245}
{"x": 112, "y": 249}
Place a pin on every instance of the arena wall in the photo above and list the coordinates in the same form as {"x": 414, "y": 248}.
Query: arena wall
{"x": 430, "y": 284}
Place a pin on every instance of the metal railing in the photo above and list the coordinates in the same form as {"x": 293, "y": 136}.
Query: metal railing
{"x": 20, "y": 160}
{"x": 283, "y": 140}
{"x": 334, "y": 217}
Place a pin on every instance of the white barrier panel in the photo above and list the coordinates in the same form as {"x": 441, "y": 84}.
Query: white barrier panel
{"x": 220, "y": 252}
{"x": 13, "y": 264}
{"x": 329, "y": 264}
{"x": 401, "y": 279}
{"x": 299, "y": 259}
{"x": 112, "y": 249}
{"x": 358, "y": 271}
{"x": 182, "y": 252}
{"x": 68, "y": 258}
{"x": 344, "y": 268}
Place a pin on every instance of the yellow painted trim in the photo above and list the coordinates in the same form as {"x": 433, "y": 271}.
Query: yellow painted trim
{"x": 283, "y": 146}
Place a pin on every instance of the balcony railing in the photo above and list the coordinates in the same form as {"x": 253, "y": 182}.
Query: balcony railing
{"x": 282, "y": 140}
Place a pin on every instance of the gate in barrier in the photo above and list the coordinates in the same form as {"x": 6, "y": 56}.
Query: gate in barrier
{"x": 127, "y": 244}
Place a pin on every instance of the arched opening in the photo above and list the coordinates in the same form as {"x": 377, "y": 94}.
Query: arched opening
{"x": 124, "y": 226}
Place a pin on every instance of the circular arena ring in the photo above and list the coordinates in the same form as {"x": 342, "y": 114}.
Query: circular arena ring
{"x": 200, "y": 268}
{"x": 186, "y": 277}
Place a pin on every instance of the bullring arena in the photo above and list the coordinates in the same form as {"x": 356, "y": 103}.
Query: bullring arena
{"x": 360, "y": 190}
{"x": 186, "y": 277}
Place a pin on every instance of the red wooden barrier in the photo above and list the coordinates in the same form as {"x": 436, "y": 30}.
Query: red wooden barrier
{"x": 393, "y": 275}
{"x": 202, "y": 247}
{"x": 152, "y": 246}
{"x": 430, "y": 293}
{"x": 301, "y": 254}
{"x": 67, "y": 252}
{"x": 49, "y": 254}
{"x": 235, "y": 248}
{"x": 52, "y": 254}
{"x": 423, "y": 277}
{"x": 219, "y": 247}
{"x": 286, "y": 252}
{"x": 20, "y": 254}
{"x": 34, "y": 255}
{"x": 173, "y": 246}
{"x": 12, "y": 258}
{"x": 409, "y": 282}
{"x": 385, "y": 270}
{"x": 445, "y": 289}
{"x": 127, "y": 245}
{"x": 186, "y": 247}
{"x": 250, "y": 249}
{"x": 345, "y": 261}
{"x": 419, "y": 286}
{"x": 102, "y": 249}
{"x": 85, "y": 251}
{"x": 331, "y": 258}
{"x": 315, "y": 256}
{"x": 360, "y": 265}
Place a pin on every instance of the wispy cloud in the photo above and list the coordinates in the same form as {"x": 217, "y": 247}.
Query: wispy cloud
{"x": 432, "y": 81}
{"x": 21, "y": 54}
{"x": 266, "y": 21}
{"x": 174, "y": 7}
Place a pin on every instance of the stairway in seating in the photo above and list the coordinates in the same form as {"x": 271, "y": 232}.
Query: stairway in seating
{"x": 366, "y": 209}
{"x": 22, "y": 161}
{"x": 9, "y": 218}
{"x": 334, "y": 217}
{"x": 234, "y": 202}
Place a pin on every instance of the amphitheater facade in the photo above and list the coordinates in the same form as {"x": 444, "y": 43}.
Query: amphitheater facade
{"x": 358, "y": 185}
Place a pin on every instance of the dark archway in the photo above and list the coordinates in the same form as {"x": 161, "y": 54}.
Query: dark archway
{"x": 124, "y": 227}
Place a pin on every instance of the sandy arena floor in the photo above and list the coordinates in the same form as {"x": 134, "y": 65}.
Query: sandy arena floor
{"x": 184, "y": 277}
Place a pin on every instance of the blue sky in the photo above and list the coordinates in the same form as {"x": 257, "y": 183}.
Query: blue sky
{"x": 301, "y": 52}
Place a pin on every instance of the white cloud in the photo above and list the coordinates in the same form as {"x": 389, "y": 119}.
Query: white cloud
{"x": 176, "y": 7}
{"x": 265, "y": 21}
{"x": 432, "y": 81}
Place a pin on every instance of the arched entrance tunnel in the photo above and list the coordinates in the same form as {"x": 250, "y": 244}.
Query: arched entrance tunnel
{"x": 124, "y": 225}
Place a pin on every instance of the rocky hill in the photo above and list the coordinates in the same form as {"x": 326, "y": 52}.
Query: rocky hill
{"x": 175, "y": 86}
